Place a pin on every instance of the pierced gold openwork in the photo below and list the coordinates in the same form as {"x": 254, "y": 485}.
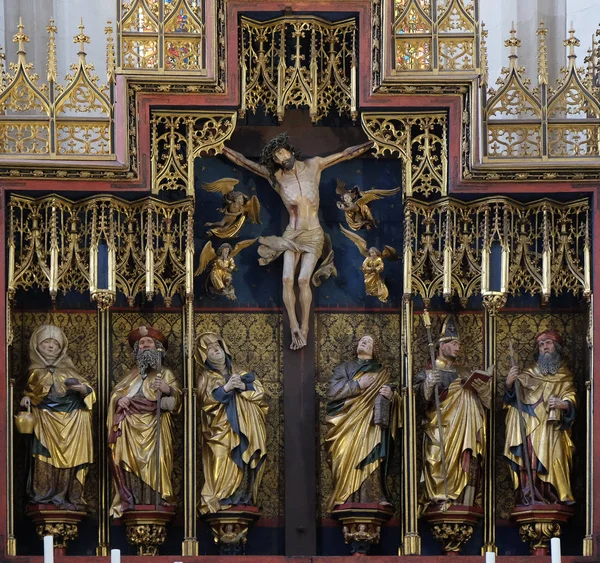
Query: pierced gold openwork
{"x": 548, "y": 123}
{"x": 318, "y": 72}
{"x": 73, "y": 121}
{"x": 178, "y": 138}
{"x": 419, "y": 140}
{"x": 54, "y": 244}
{"x": 545, "y": 248}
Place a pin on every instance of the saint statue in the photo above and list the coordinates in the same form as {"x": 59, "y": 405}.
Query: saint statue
{"x": 297, "y": 183}
{"x": 233, "y": 417}
{"x": 140, "y": 435}
{"x": 363, "y": 414}
{"x": 62, "y": 402}
{"x": 460, "y": 419}
{"x": 541, "y": 470}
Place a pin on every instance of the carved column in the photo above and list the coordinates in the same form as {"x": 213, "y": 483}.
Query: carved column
{"x": 492, "y": 304}
{"x": 190, "y": 541}
{"x": 105, "y": 299}
{"x": 412, "y": 540}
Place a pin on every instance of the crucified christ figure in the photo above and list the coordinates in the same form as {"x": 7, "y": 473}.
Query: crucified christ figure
{"x": 297, "y": 183}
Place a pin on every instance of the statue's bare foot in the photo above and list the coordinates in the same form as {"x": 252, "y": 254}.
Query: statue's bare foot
{"x": 298, "y": 339}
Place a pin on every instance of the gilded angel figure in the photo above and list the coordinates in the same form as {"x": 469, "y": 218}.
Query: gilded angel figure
{"x": 355, "y": 205}
{"x": 373, "y": 266}
{"x": 220, "y": 278}
{"x": 236, "y": 207}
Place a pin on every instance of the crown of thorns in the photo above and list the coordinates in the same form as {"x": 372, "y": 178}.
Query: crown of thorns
{"x": 281, "y": 141}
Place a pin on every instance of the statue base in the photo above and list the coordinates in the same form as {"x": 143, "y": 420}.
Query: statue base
{"x": 361, "y": 524}
{"x": 146, "y": 527}
{"x": 452, "y": 527}
{"x": 230, "y": 527}
{"x": 539, "y": 523}
{"x": 60, "y": 523}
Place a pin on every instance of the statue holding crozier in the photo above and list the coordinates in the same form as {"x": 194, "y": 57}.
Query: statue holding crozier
{"x": 453, "y": 401}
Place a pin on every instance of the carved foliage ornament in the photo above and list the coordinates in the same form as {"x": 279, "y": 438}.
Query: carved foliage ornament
{"x": 56, "y": 244}
{"x": 542, "y": 247}
{"x": 300, "y": 61}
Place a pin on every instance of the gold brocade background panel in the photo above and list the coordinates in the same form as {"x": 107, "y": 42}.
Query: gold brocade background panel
{"x": 81, "y": 330}
{"x": 254, "y": 340}
{"x": 336, "y": 336}
{"x": 170, "y": 324}
{"x": 522, "y": 330}
{"x": 471, "y": 329}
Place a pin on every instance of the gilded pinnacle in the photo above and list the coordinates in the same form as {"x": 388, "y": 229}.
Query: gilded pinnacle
{"x": 82, "y": 39}
{"x": 514, "y": 43}
{"x": 52, "y": 70}
{"x": 542, "y": 54}
{"x": 21, "y": 38}
{"x": 571, "y": 42}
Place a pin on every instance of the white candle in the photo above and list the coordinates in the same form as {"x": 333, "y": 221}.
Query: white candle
{"x": 555, "y": 550}
{"x": 48, "y": 549}
{"x": 490, "y": 557}
{"x": 115, "y": 556}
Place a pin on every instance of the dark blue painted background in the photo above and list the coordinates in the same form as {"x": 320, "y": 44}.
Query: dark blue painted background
{"x": 258, "y": 286}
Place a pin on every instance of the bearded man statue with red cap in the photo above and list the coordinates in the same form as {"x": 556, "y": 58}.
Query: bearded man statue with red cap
{"x": 548, "y": 411}
{"x": 138, "y": 469}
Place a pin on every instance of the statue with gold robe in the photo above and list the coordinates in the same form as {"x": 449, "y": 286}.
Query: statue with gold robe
{"x": 548, "y": 404}
{"x": 138, "y": 424}
{"x": 233, "y": 417}
{"x": 363, "y": 415}
{"x": 62, "y": 402}
{"x": 463, "y": 418}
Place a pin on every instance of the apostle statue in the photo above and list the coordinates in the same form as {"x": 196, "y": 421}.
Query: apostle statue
{"x": 62, "y": 402}
{"x": 363, "y": 414}
{"x": 140, "y": 435}
{"x": 456, "y": 421}
{"x": 544, "y": 413}
{"x": 233, "y": 417}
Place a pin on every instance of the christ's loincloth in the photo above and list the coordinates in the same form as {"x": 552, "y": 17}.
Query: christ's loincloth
{"x": 302, "y": 241}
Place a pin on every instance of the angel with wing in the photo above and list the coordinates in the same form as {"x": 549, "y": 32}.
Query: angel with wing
{"x": 236, "y": 208}
{"x": 220, "y": 278}
{"x": 373, "y": 266}
{"x": 355, "y": 205}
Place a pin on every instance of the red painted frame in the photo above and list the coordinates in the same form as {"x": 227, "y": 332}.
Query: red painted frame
{"x": 367, "y": 101}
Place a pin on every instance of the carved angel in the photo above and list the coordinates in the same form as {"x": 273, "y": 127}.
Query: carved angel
{"x": 236, "y": 207}
{"x": 373, "y": 266}
{"x": 355, "y": 205}
{"x": 220, "y": 278}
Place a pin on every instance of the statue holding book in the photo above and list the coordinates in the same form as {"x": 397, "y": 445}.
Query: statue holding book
{"x": 363, "y": 415}
{"x": 453, "y": 401}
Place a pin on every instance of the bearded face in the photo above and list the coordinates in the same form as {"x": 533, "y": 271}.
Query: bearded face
{"x": 148, "y": 360}
{"x": 549, "y": 358}
{"x": 147, "y": 355}
{"x": 284, "y": 159}
{"x": 549, "y": 362}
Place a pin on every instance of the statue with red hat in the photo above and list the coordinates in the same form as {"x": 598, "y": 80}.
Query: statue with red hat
{"x": 544, "y": 413}
{"x": 140, "y": 426}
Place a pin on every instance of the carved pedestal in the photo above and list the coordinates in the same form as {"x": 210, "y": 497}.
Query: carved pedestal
{"x": 361, "y": 524}
{"x": 146, "y": 527}
{"x": 453, "y": 527}
{"x": 539, "y": 523}
{"x": 230, "y": 527}
{"x": 52, "y": 521}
